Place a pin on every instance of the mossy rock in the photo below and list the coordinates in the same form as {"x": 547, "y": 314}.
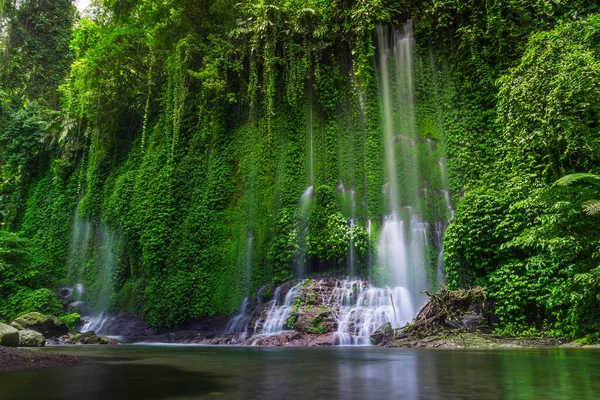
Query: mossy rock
{"x": 9, "y": 336}
{"x": 47, "y": 325}
{"x": 90, "y": 337}
{"x": 29, "y": 338}
{"x": 383, "y": 333}
{"x": 316, "y": 320}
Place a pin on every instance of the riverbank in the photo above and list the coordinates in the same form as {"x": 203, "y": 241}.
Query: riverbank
{"x": 16, "y": 359}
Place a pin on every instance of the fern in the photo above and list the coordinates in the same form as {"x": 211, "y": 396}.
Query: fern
{"x": 592, "y": 207}
{"x": 580, "y": 177}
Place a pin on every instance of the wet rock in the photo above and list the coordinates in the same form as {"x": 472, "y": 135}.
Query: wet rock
{"x": 312, "y": 319}
{"x": 90, "y": 337}
{"x": 29, "y": 338}
{"x": 128, "y": 325}
{"x": 294, "y": 339}
{"x": 383, "y": 333}
{"x": 47, "y": 325}
{"x": 9, "y": 336}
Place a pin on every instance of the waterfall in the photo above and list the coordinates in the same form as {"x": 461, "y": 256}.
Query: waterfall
{"x": 403, "y": 243}
{"x": 311, "y": 166}
{"x": 90, "y": 243}
{"x": 364, "y": 309}
{"x": 239, "y": 322}
{"x": 78, "y": 246}
{"x": 278, "y": 312}
{"x": 351, "y": 261}
{"x": 105, "y": 241}
{"x": 358, "y": 308}
{"x": 303, "y": 208}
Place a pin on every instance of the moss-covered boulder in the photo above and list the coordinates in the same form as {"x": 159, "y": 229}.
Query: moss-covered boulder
{"x": 29, "y": 338}
{"x": 47, "y": 325}
{"x": 90, "y": 337}
{"x": 9, "y": 336}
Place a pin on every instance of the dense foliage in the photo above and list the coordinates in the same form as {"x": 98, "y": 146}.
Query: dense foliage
{"x": 158, "y": 151}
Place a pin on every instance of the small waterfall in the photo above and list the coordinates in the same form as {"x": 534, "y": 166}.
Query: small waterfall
{"x": 369, "y": 251}
{"x": 100, "y": 247}
{"x": 364, "y": 309}
{"x": 239, "y": 323}
{"x": 79, "y": 242}
{"x": 96, "y": 323}
{"x": 351, "y": 258}
{"x": 106, "y": 240}
{"x": 404, "y": 249}
{"x": 449, "y": 207}
{"x": 311, "y": 166}
{"x": 248, "y": 261}
{"x": 278, "y": 313}
{"x": 303, "y": 208}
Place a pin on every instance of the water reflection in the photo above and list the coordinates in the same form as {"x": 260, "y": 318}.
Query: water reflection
{"x": 137, "y": 372}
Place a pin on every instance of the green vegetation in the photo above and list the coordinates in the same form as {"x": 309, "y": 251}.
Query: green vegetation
{"x": 73, "y": 321}
{"x": 173, "y": 141}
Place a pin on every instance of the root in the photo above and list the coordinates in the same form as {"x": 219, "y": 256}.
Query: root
{"x": 443, "y": 311}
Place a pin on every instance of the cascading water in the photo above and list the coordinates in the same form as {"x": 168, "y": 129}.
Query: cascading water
{"x": 403, "y": 242}
{"x": 278, "y": 313}
{"x": 81, "y": 230}
{"x": 304, "y": 208}
{"x": 364, "y": 309}
{"x": 239, "y": 322}
{"x": 105, "y": 241}
{"x": 408, "y": 236}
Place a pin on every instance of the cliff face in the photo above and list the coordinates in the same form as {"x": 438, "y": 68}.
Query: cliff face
{"x": 173, "y": 158}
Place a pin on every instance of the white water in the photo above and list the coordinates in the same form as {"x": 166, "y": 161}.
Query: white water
{"x": 364, "y": 309}
{"x": 279, "y": 312}
{"x": 239, "y": 323}
{"x": 359, "y": 310}
{"x": 403, "y": 245}
{"x": 304, "y": 206}
{"x": 97, "y": 295}
{"x": 96, "y": 323}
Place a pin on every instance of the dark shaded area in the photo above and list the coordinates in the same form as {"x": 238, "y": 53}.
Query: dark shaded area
{"x": 107, "y": 381}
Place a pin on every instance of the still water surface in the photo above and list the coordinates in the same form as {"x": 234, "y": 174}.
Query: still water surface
{"x": 202, "y": 372}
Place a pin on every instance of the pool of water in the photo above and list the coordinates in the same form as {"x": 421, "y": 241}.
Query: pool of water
{"x": 203, "y": 372}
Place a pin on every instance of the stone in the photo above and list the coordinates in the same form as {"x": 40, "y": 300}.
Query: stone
{"x": 572, "y": 344}
{"x": 128, "y": 325}
{"x": 90, "y": 337}
{"x": 29, "y": 338}
{"x": 9, "y": 336}
{"x": 316, "y": 320}
{"x": 47, "y": 325}
{"x": 382, "y": 334}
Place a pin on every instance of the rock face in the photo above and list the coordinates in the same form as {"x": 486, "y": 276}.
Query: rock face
{"x": 9, "y": 336}
{"x": 319, "y": 319}
{"x": 47, "y": 325}
{"x": 128, "y": 325}
{"x": 29, "y": 338}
